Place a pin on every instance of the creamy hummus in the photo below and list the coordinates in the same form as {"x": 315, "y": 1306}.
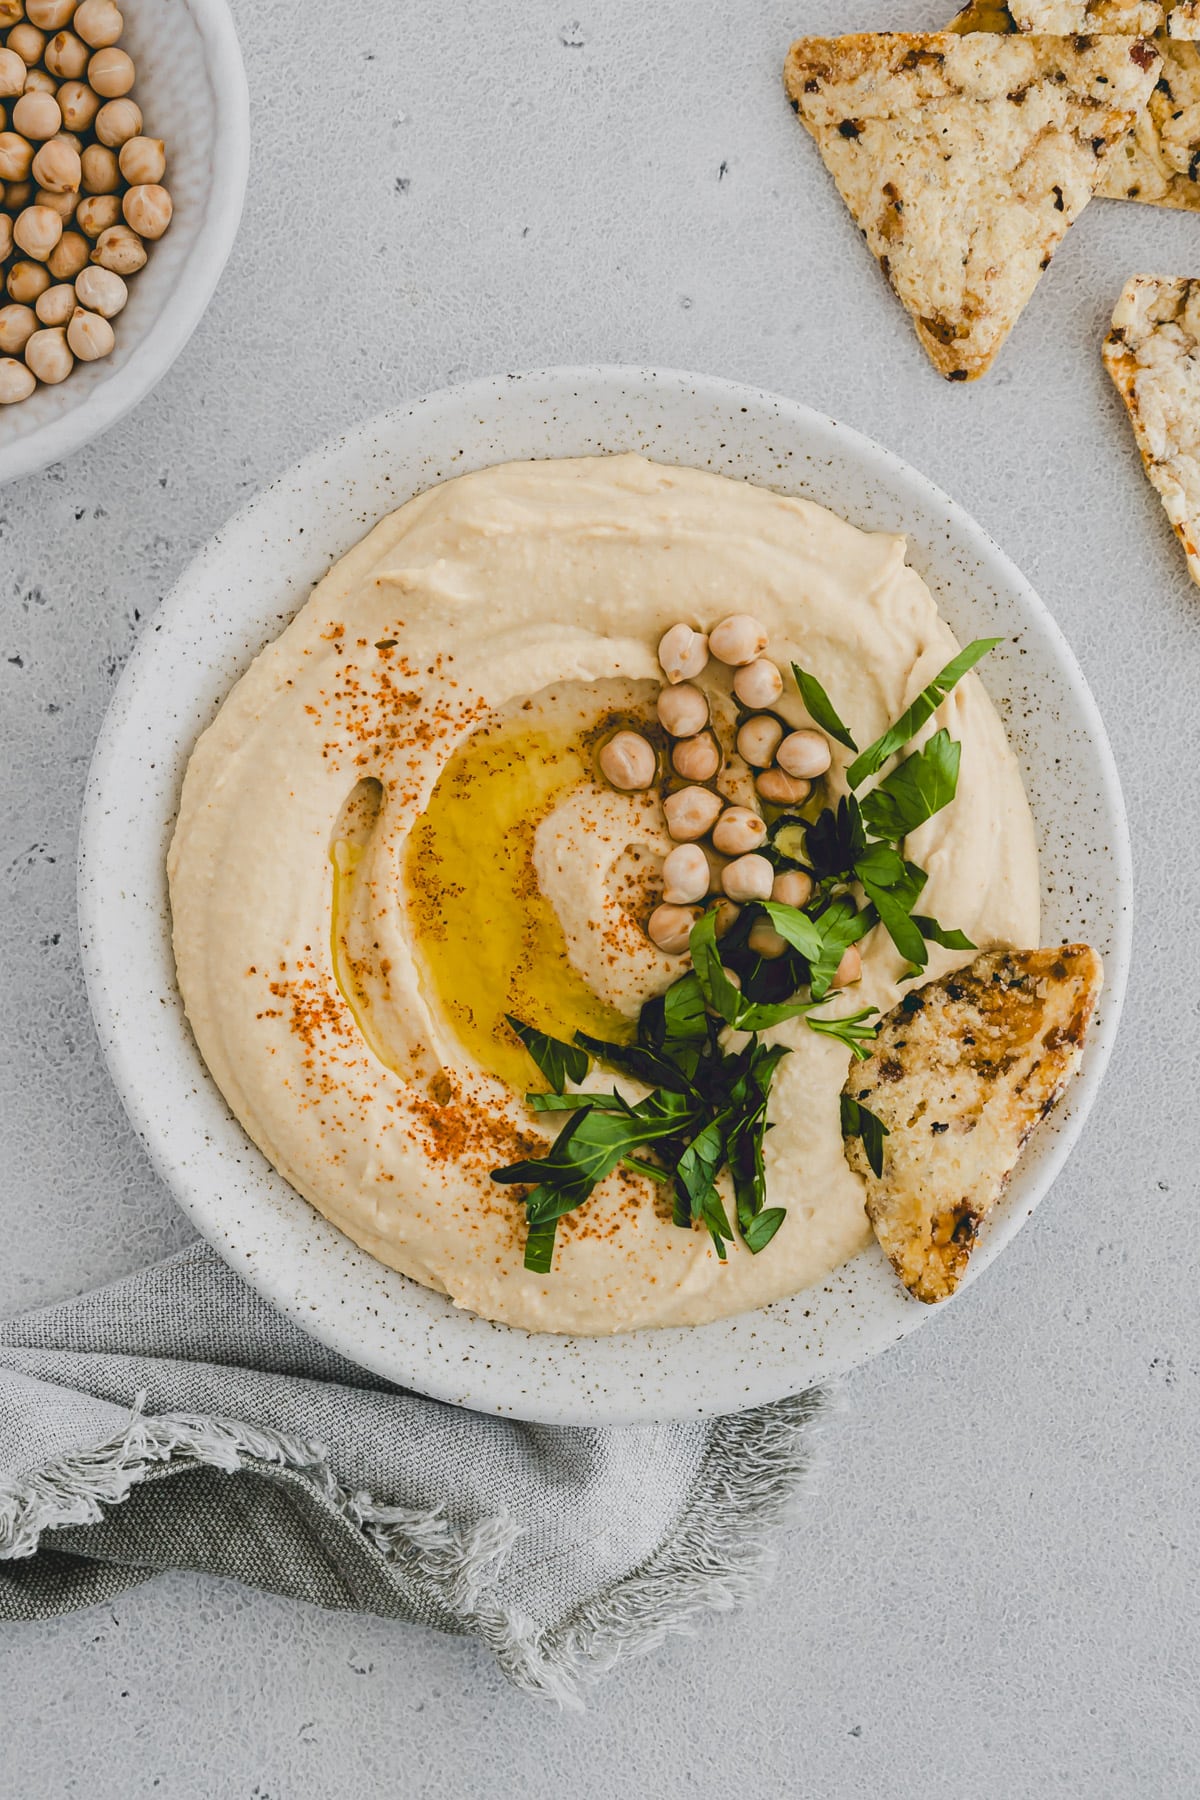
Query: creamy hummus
{"x": 393, "y": 832}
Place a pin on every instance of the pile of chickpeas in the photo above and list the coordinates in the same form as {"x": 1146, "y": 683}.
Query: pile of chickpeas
{"x": 81, "y": 189}
{"x": 786, "y": 763}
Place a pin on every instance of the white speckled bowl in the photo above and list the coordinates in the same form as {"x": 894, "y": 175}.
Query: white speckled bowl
{"x": 238, "y": 594}
{"x": 191, "y": 87}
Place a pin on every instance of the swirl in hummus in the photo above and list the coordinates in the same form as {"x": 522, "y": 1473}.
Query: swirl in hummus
{"x": 393, "y": 833}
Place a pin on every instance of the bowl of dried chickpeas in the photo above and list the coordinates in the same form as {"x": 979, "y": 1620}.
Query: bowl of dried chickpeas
{"x": 124, "y": 145}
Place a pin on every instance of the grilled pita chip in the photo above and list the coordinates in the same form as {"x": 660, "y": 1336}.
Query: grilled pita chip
{"x": 1153, "y": 355}
{"x": 961, "y": 1072}
{"x": 964, "y": 159}
{"x": 1155, "y": 163}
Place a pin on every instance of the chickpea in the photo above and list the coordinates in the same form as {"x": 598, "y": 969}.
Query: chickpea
{"x": 6, "y": 237}
{"x": 758, "y": 740}
{"x": 28, "y": 42}
{"x": 110, "y": 72}
{"x": 17, "y": 194}
{"x": 804, "y": 754}
{"x": 56, "y": 305}
{"x": 682, "y": 653}
{"x": 685, "y": 875}
{"x": 26, "y": 280}
{"x": 67, "y": 57}
{"x": 117, "y": 122}
{"x": 38, "y": 82}
{"x": 36, "y": 231}
{"x": 792, "y": 887}
{"x": 49, "y": 15}
{"x": 780, "y": 789}
{"x": 758, "y": 683}
{"x": 143, "y": 161}
{"x": 47, "y": 355}
{"x": 90, "y": 336}
{"x": 11, "y": 13}
{"x": 16, "y": 157}
{"x": 147, "y": 210}
{"x": 849, "y": 970}
{"x": 69, "y": 256}
{"x": 100, "y": 291}
{"x": 727, "y": 917}
{"x": 98, "y": 23}
{"x": 696, "y": 758}
{"x": 119, "y": 249}
{"x": 682, "y": 710}
{"x": 99, "y": 212}
{"x": 62, "y": 204}
{"x": 691, "y": 812}
{"x": 738, "y": 830}
{"x": 17, "y": 326}
{"x": 670, "y": 927}
{"x": 12, "y": 73}
{"x": 748, "y": 878}
{"x": 627, "y": 760}
{"x": 78, "y": 105}
{"x": 16, "y": 381}
{"x": 100, "y": 170}
{"x": 738, "y": 639}
{"x": 765, "y": 941}
{"x": 58, "y": 167}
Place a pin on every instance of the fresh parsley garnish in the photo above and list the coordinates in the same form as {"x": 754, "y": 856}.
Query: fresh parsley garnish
{"x": 706, "y": 1112}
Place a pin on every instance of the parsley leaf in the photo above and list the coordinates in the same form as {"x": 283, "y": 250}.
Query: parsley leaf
{"x": 937, "y": 934}
{"x": 763, "y": 1226}
{"x": 917, "y": 788}
{"x": 820, "y": 707}
{"x": 860, "y": 1122}
{"x": 558, "y": 1062}
{"x": 922, "y": 708}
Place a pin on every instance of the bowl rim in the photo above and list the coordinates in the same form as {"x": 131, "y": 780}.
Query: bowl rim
{"x": 197, "y": 279}
{"x": 486, "y": 1389}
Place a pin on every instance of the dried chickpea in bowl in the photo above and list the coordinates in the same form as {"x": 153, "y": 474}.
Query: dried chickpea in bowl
{"x": 83, "y": 195}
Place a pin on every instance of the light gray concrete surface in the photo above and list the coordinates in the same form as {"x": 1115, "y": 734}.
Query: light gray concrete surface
{"x": 994, "y": 1591}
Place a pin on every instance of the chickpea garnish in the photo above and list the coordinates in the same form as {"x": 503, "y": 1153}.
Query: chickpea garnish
{"x": 58, "y": 166}
{"x": 849, "y": 970}
{"x": 148, "y": 210}
{"x": 738, "y": 639}
{"x": 97, "y": 213}
{"x": 691, "y": 812}
{"x": 67, "y": 57}
{"x": 696, "y": 758}
{"x": 78, "y": 105}
{"x": 670, "y": 927}
{"x": 738, "y": 830}
{"x": 119, "y": 249}
{"x": 804, "y": 754}
{"x": 627, "y": 760}
{"x": 100, "y": 170}
{"x": 47, "y": 355}
{"x": 682, "y": 653}
{"x": 765, "y": 941}
{"x": 758, "y": 683}
{"x": 28, "y": 42}
{"x": 781, "y": 789}
{"x": 758, "y": 740}
{"x": 49, "y": 15}
{"x": 792, "y": 887}
{"x": 90, "y": 336}
{"x": 16, "y": 381}
{"x": 26, "y": 280}
{"x": 11, "y": 12}
{"x": 682, "y": 710}
{"x": 143, "y": 161}
{"x": 686, "y": 875}
{"x": 748, "y": 878}
{"x": 110, "y": 72}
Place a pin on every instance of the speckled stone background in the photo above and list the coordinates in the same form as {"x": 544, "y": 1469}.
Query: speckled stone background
{"x": 994, "y": 1591}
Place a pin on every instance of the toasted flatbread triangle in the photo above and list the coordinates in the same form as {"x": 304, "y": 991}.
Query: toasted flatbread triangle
{"x": 1062, "y": 18}
{"x": 964, "y": 159}
{"x": 961, "y": 1072}
{"x": 1153, "y": 355}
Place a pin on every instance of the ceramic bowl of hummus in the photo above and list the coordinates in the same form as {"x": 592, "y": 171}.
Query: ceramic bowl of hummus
{"x": 390, "y": 836}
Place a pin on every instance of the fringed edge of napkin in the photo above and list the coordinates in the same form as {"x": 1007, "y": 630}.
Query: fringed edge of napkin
{"x": 718, "y": 1554}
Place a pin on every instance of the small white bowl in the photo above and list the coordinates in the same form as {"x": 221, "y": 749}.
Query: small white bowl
{"x": 191, "y": 87}
{"x": 237, "y": 596}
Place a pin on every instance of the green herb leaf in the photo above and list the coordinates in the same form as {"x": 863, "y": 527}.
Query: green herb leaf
{"x": 922, "y": 708}
{"x": 917, "y": 788}
{"x": 851, "y": 1029}
{"x": 841, "y": 924}
{"x": 801, "y": 932}
{"x": 897, "y": 921}
{"x": 860, "y": 1122}
{"x": 937, "y": 934}
{"x": 544, "y": 1103}
{"x": 539, "y": 1247}
{"x": 820, "y": 707}
{"x": 763, "y": 1225}
{"x": 558, "y": 1062}
{"x": 835, "y": 839}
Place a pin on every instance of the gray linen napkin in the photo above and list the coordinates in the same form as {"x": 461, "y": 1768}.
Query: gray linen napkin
{"x": 175, "y": 1420}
